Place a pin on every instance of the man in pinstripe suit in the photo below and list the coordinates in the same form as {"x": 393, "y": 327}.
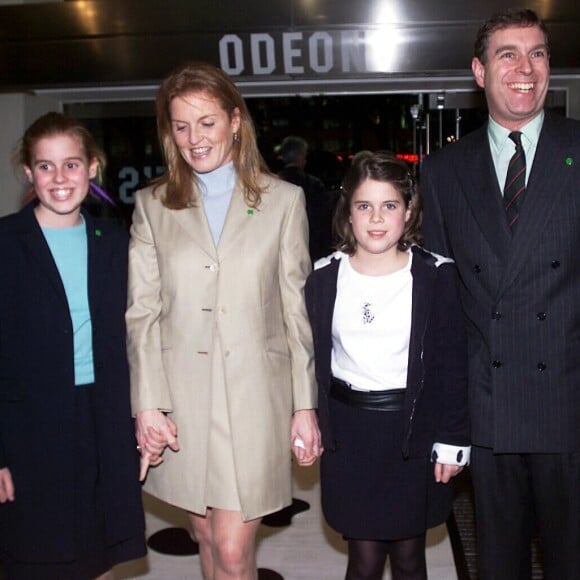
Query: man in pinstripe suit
{"x": 521, "y": 297}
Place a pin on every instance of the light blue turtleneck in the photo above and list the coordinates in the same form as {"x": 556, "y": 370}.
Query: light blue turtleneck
{"x": 217, "y": 188}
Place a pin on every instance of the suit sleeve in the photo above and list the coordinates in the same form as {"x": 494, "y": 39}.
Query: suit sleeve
{"x": 295, "y": 266}
{"x": 149, "y": 387}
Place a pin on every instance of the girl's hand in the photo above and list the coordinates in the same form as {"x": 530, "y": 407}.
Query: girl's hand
{"x": 6, "y": 485}
{"x": 154, "y": 431}
{"x": 305, "y": 437}
{"x": 444, "y": 472}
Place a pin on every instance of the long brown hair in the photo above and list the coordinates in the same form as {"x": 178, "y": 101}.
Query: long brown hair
{"x": 379, "y": 166}
{"x": 182, "y": 189}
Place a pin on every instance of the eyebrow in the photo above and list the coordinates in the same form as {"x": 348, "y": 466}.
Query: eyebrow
{"x": 40, "y": 161}
{"x": 513, "y": 47}
{"x": 200, "y": 119}
{"x": 382, "y": 201}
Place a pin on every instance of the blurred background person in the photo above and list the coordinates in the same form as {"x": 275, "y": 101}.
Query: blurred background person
{"x": 319, "y": 201}
{"x": 220, "y": 347}
{"x": 70, "y": 499}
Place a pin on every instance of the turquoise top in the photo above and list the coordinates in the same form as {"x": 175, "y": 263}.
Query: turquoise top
{"x": 69, "y": 250}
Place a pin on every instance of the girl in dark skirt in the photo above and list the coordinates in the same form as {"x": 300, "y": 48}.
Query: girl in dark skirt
{"x": 391, "y": 365}
{"x": 70, "y": 500}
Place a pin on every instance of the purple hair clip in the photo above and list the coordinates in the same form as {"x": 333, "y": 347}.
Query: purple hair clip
{"x": 98, "y": 192}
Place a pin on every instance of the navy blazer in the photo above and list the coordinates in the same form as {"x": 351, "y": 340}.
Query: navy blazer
{"x": 436, "y": 394}
{"x": 520, "y": 292}
{"x": 37, "y": 388}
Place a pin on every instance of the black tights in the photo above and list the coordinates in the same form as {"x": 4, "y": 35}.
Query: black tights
{"x": 366, "y": 559}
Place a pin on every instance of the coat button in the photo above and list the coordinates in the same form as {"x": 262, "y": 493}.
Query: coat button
{"x": 496, "y": 364}
{"x": 496, "y": 315}
{"x": 542, "y": 366}
{"x": 555, "y": 264}
{"x": 213, "y": 268}
{"x": 541, "y": 316}
{"x": 477, "y": 268}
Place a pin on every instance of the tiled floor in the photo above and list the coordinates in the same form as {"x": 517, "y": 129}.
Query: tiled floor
{"x": 305, "y": 550}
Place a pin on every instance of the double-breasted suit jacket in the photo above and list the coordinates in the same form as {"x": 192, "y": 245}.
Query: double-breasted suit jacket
{"x": 436, "y": 394}
{"x": 520, "y": 291}
{"x": 37, "y": 426}
{"x": 249, "y": 291}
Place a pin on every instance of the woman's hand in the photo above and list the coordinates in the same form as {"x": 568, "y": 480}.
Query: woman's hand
{"x": 154, "y": 431}
{"x": 6, "y": 486}
{"x": 444, "y": 472}
{"x": 305, "y": 437}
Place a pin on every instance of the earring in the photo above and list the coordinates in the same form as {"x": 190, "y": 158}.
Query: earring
{"x": 236, "y": 137}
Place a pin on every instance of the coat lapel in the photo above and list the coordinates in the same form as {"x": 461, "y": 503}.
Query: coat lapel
{"x": 239, "y": 218}
{"x": 324, "y": 305}
{"x": 194, "y": 222}
{"x": 481, "y": 189}
{"x": 546, "y": 186}
{"x": 99, "y": 250}
{"x": 35, "y": 243}
{"x": 423, "y": 280}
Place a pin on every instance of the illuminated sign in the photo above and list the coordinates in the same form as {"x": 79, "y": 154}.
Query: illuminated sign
{"x": 312, "y": 52}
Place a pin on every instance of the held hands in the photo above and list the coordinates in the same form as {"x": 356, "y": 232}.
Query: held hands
{"x": 6, "y": 486}
{"x": 444, "y": 472}
{"x": 305, "y": 437}
{"x": 154, "y": 431}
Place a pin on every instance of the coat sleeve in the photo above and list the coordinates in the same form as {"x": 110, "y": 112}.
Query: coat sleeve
{"x": 149, "y": 386}
{"x": 448, "y": 359}
{"x": 2, "y": 452}
{"x": 295, "y": 266}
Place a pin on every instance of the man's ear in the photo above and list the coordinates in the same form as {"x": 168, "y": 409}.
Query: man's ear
{"x": 478, "y": 69}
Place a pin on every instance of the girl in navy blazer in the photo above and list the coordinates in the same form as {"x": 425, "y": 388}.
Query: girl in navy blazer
{"x": 70, "y": 501}
{"x": 391, "y": 368}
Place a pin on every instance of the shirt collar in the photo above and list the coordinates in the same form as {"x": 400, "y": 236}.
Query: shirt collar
{"x": 499, "y": 135}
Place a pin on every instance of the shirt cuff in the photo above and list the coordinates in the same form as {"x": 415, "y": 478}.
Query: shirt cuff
{"x": 450, "y": 454}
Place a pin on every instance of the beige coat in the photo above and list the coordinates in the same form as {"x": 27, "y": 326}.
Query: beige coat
{"x": 182, "y": 290}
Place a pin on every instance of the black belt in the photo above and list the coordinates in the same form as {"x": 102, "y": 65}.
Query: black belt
{"x": 389, "y": 400}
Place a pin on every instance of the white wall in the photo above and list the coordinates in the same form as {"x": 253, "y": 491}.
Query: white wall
{"x": 17, "y": 112}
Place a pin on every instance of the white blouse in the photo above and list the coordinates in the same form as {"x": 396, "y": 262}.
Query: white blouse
{"x": 371, "y": 328}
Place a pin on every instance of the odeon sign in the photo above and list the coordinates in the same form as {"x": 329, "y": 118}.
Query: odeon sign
{"x": 299, "y": 53}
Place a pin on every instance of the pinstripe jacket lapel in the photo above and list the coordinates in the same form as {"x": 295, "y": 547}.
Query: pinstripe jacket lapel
{"x": 543, "y": 194}
{"x": 481, "y": 189}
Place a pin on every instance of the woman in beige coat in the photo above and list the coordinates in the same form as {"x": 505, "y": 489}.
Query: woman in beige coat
{"x": 220, "y": 347}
